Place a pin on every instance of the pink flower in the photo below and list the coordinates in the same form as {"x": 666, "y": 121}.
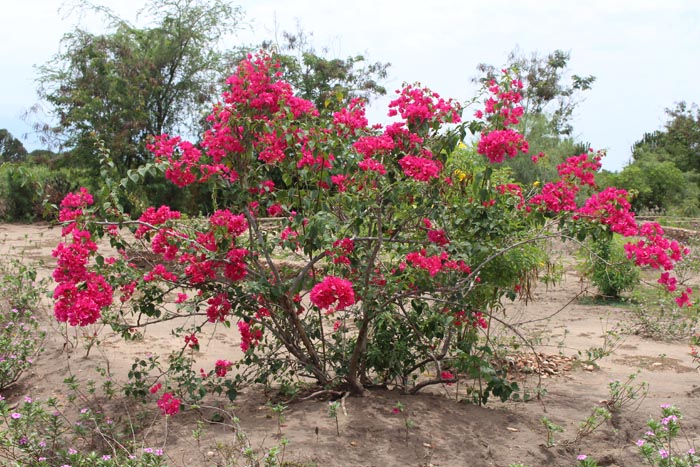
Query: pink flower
{"x": 192, "y": 341}
{"x": 438, "y": 236}
{"x": 155, "y": 217}
{"x": 274, "y": 210}
{"x": 350, "y": 118}
{"x": 235, "y": 224}
{"x": 372, "y": 165}
{"x": 420, "y": 168}
{"x": 168, "y": 404}
{"x": 418, "y": 105}
{"x": 499, "y": 143}
{"x": 221, "y": 367}
{"x": 155, "y": 388}
{"x": 219, "y": 308}
{"x": 447, "y": 376}
{"x": 331, "y": 290}
{"x": 250, "y": 336}
{"x": 684, "y": 299}
{"x": 667, "y": 280}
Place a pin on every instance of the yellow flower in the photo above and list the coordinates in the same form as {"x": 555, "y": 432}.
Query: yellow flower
{"x": 461, "y": 175}
{"x": 461, "y": 145}
{"x": 536, "y": 183}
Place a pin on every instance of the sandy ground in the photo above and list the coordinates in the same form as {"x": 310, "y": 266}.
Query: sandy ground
{"x": 444, "y": 432}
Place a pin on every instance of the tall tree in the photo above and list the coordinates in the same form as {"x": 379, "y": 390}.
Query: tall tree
{"x": 550, "y": 95}
{"x": 664, "y": 174}
{"x": 11, "y": 149}
{"x": 547, "y": 87}
{"x": 678, "y": 142}
{"x": 131, "y": 82}
{"x": 330, "y": 83}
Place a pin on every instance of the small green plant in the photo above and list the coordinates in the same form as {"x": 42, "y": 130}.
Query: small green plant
{"x": 400, "y": 409}
{"x": 659, "y": 445}
{"x": 240, "y": 452}
{"x": 21, "y": 341}
{"x": 278, "y": 411}
{"x": 19, "y": 285}
{"x": 612, "y": 339}
{"x": 21, "y": 337}
{"x": 659, "y": 317}
{"x": 595, "y": 420}
{"x": 585, "y": 461}
{"x": 551, "y": 428}
{"x": 624, "y": 394}
{"x": 333, "y": 413}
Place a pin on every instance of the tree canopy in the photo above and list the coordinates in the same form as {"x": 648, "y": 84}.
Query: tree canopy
{"x": 547, "y": 87}
{"x": 131, "y": 82}
{"x": 664, "y": 173}
{"x": 330, "y": 83}
{"x": 550, "y": 94}
{"x": 11, "y": 149}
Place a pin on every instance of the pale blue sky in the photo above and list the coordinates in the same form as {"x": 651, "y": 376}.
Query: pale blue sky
{"x": 644, "y": 53}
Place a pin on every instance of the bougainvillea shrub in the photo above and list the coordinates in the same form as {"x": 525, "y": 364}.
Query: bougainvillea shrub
{"x": 356, "y": 255}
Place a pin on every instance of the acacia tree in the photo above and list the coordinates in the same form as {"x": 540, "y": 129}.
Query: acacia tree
{"x": 124, "y": 85}
{"x": 678, "y": 142}
{"x": 664, "y": 173}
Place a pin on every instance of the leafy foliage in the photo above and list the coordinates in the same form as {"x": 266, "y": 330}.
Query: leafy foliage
{"x": 608, "y": 267}
{"x": 664, "y": 172}
{"x": 122, "y": 86}
{"x": 549, "y": 98}
{"x": 547, "y": 88}
{"x": 11, "y": 149}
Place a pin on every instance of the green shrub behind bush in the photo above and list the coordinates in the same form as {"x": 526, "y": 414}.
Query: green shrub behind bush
{"x": 608, "y": 268}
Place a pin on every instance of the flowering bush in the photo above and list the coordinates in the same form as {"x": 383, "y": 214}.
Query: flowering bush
{"x": 659, "y": 445}
{"x": 21, "y": 336}
{"x": 40, "y": 434}
{"x": 402, "y": 246}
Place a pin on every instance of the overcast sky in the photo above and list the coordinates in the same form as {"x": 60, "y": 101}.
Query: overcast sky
{"x": 644, "y": 53}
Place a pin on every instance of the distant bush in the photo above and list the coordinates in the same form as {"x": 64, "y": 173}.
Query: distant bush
{"x": 25, "y": 190}
{"x": 608, "y": 268}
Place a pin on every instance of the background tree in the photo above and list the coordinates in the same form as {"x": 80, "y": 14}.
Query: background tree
{"x": 658, "y": 186}
{"x": 550, "y": 95}
{"x": 664, "y": 172}
{"x": 547, "y": 88}
{"x": 11, "y": 149}
{"x": 678, "y": 142}
{"x": 330, "y": 83}
{"x": 133, "y": 82}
